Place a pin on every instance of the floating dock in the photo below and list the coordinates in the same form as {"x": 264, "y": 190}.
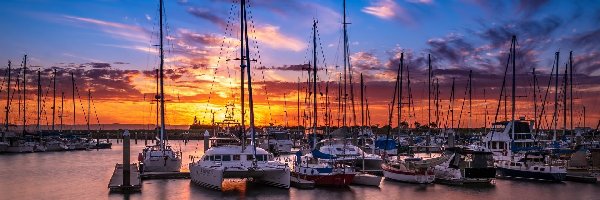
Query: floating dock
{"x": 116, "y": 181}
{"x": 301, "y": 183}
{"x": 165, "y": 175}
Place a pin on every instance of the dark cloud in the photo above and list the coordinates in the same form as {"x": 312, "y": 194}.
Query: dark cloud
{"x": 528, "y": 7}
{"x": 208, "y": 15}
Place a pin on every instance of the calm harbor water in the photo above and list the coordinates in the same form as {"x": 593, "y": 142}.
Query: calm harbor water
{"x": 85, "y": 175}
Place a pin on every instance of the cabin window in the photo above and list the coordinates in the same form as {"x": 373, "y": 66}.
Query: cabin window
{"x": 206, "y": 157}
{"x": 212, "y": 158}
{"x": 218, "y": 158}
{"x": 249, "y": 157}
{"x": 260, "y": 157}
{"x": 351, "y": 149}
{"x": 518, "y": 164}
{"x": 236, "y": 157}
{"x": 542, "y": 169}
{"x": 226, "y": 157}
{"x": 512, "y": 164}
{"x": 535, "y": 168}
{"x": 339, "y": 149}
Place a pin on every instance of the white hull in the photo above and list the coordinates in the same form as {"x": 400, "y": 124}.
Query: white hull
{"x": 162, "y": 165}
{"x": 409, "y": 178}
{"x": 212, "y": 177}
{"x": 366, "y": 179}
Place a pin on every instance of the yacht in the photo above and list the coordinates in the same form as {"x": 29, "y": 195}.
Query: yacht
{"x": 349, "y": 154}
{"x": 56, "y": 145}
{"x": 277, "y": 140}
{"x": 533, "y": 166}
{"x": 321, "y": 168}
{"x": 232, "y": 161}
{"x": 408, "y": 169}
{"x": 502, "y": 143}
{"x": 465, "y": 165}
{"x": 240, "y": 161}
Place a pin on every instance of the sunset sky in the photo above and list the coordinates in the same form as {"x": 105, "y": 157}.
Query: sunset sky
{"x": 110, "y": 47}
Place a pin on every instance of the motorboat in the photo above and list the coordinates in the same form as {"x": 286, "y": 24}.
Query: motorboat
{"x": 408, "y": 169}
{"x": 465, "y": 165}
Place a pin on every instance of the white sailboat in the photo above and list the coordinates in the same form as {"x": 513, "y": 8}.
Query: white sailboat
{"x": 240, "y": 161}
{"x": 160, "y": 157}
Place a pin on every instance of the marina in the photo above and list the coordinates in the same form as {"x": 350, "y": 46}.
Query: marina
{"x": 502, "y": 113}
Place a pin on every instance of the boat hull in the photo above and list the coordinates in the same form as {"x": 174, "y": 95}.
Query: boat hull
{"x": 409, "y": 177}
{"x": 335, "y": 180}
{"x": 161, "y": 165}
{"x": 212, "y": 177}
{"x": 519, "y": 174}
{"x": 366, "y": 179}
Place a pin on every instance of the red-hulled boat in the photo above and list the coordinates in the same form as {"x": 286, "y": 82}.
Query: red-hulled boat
{"x": 323, "y": 173}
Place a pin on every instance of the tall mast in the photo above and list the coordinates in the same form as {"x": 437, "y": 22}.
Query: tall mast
{"x": 250, "y": 99}
{"x": 362, "y": 97}
{"x": 62, "y": 110}
{"x": 565, "y": 100}
{"x": 555, "y": 118}
{"x": 345, "y": 62}
{"x": 73, "y": 88}
{"x": 429, "y": 92}
{"x": 39, "y": 102}
{"x": 514, "y": 85}
{"x": 535, "y": 121}
{"x": 7, "y": 109}
{"x": 486, "y": 112}
{"x": 89, "y": 111}
{"x": 400, "y": 92}
{"x": 315, "y": 81}
{"x": 298, "y": 103}
{"x": 452, "y": 105}
{"x": 571, "y": 85}
{"x": 162, "y": 92}
{"x": 242, "y": 67}
{"x": 470, "y": 99}
{"x": 24, "y": 92}
{"x": 53, "y": 98}
{"x": 157, "y": 99}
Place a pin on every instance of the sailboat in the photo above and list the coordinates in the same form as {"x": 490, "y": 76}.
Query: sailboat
{"x": 317, "y": 166}
{"x": 16, "y": 144}
{"x": 160, "y": 157}
{"x": 240, "y": 161}
{"x": 535, "y": 165}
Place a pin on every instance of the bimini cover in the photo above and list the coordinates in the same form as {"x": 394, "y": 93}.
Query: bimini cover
{"x": 385, "y": 144}
{"x": 318, "y": 154}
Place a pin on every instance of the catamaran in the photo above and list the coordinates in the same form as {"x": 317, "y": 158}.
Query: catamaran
{"x": 240, "y": 161}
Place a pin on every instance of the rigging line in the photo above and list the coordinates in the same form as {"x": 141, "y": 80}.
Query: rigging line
{"x": 260, "y": 64}
{"x": 215, "y": 71}
{"x": 546, "y": 96}
{"x": 463, "y": 104}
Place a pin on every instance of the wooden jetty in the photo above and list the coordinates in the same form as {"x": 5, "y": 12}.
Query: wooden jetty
{"x": 116, "y": 183}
